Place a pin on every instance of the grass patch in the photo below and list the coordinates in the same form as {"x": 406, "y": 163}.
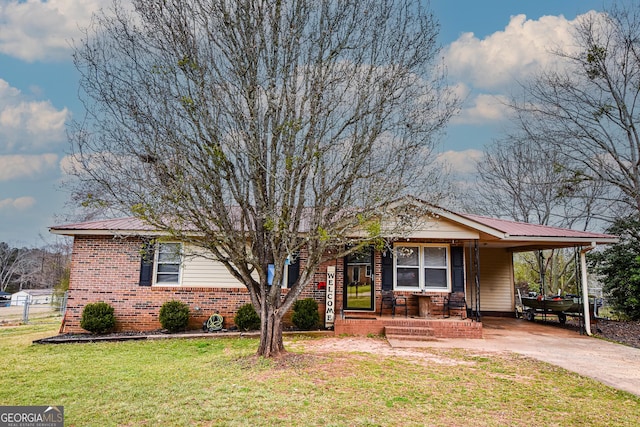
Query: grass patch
{"x": 208, "y": 382}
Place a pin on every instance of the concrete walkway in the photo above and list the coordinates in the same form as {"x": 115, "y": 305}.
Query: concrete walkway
{"x": 612, "y": 364}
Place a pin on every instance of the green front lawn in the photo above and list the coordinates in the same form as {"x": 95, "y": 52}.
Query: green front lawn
{"x": 218, "y": 382}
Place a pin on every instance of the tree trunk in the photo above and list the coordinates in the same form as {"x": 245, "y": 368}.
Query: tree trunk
{"x": 271, "y": 344}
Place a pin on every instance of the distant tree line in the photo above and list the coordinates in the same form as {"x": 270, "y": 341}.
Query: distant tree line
{"x": 34, "y": 268}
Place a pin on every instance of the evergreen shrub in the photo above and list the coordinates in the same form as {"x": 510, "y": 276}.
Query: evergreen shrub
{"x": 98, "y": 318}
{"x": 246, "y": 318}
{"x": 174, "y": 316}
{"x": 305, "y": 314}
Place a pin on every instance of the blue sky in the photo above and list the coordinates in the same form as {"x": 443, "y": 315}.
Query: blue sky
{"x": 487, "y": 46}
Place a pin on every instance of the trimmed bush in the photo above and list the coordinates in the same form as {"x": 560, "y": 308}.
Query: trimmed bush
{"x": 98, "y": 318}
{"x": 305, "y": 314}
{"x": 174, "y": 316}
{"x": 246, "y": 318}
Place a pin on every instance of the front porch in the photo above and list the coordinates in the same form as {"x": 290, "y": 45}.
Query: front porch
{"x": 412, "y": 328}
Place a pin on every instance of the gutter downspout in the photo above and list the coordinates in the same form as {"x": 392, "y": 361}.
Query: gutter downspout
{"x": 585, "y": 290}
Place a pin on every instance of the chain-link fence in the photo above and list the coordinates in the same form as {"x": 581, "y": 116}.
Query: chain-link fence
{"x": 27, "y": 310}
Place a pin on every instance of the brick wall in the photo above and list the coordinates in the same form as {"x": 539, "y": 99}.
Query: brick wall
{"x": 107, "y": 268}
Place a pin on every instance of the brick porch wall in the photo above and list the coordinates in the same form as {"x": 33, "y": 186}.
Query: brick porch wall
{"x": 441, "y": 328}
{"x": 107, "y": 268}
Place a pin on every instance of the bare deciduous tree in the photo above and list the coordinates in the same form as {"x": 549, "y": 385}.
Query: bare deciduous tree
{"x": 588, "y": 109}
{"x": 246, "y": 123}
{"x": 574, "y": 158}
{"x": 13, "y": 262}
{"x": 526, "y": 180}
{"x": 33, "y": 267}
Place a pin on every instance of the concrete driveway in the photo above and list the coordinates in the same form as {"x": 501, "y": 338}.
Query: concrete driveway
{"x": 612, "y": 364}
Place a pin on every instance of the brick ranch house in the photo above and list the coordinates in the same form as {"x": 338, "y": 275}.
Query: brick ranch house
{"x": 452, "y": 258}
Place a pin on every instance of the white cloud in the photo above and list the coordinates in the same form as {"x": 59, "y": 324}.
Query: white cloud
{"x": 487, "y": 70}
{"x": 502, "y": 58}
{"x": 461, "y": 162}
{"x": 19, "y": 204}
{"x": 69, "y": 165}
{"x": 34, "y": 30}
{"x": 26, "y": 166}
{"x": 27, "y": 124}
{"x": 482, "y": 109}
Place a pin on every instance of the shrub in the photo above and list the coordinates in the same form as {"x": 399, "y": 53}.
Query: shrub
{"x": 305, "y": 314}
{"x": 98, "y": 318}
{"x": 174, "y": 316}
{"x": 619, "y": 268}
{"x": 246, "y": 318}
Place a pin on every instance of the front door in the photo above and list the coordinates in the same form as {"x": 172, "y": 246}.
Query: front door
{"x": 358, "y": 284}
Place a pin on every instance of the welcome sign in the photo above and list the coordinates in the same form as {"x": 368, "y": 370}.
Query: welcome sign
{"x": 330, "y": 313}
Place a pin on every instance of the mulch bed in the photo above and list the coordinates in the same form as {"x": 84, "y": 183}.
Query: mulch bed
{"x": 627, "y": 333}
{"x": 160, "y": 334}
{"x": 124, "y": 336}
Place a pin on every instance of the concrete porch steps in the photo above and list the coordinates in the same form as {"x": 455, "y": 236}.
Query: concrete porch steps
{"x": 411, "y": 333}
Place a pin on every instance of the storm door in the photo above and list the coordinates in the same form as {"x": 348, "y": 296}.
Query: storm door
{"x": 358, "y": 284}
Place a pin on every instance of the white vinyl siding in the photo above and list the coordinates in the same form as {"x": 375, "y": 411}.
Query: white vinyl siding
{"x": 202, "y": 272}
{"x": 430, "y": 227}
{"x": 496, "y": 280}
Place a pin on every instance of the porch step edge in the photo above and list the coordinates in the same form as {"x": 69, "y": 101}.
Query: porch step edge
{"x": 400, "y": 337}
{"x": 409, "y": 330}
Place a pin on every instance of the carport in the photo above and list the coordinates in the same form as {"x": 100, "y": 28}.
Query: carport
{"x": 500, "y": 236}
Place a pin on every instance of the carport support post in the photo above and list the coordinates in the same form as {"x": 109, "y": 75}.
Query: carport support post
{"x": 585, "y": 287}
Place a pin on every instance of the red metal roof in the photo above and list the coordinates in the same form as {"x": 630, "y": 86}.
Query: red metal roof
{"x": 523, "y": 229}
{"x": 503, "y": 229}
{"x": 118, "y": 224}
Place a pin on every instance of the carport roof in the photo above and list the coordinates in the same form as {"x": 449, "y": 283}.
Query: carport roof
{"x": 525, "y": 236}
{"x": 513, "y": 228}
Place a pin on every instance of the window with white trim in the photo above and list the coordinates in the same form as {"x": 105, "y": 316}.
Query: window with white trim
{"x": 422, "y": 267}
{"x": 168, "y": 264}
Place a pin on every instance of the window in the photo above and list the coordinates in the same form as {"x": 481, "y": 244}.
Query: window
{"x": 290, "y": 273}
{"x": 422, "y": 267}
{"x": 168, "y": 261}
{"x": 435, "y": 267}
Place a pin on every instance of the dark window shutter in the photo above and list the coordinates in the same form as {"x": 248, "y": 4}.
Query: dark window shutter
{"x": 457, "y": 269}
{"x": 146, "y": 264}
{"x": 294, "y": 272}
{"x": 387, "y": 270}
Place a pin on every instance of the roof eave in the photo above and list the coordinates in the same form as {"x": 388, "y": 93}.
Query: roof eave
{"x": 94, "y": 232}
{"x": 577, "y": 240}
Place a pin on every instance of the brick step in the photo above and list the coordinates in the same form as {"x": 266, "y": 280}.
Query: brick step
{"x": 360, "y": 316}
{"x": 413, "y": 331}
{"x": 411, "y": 337}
